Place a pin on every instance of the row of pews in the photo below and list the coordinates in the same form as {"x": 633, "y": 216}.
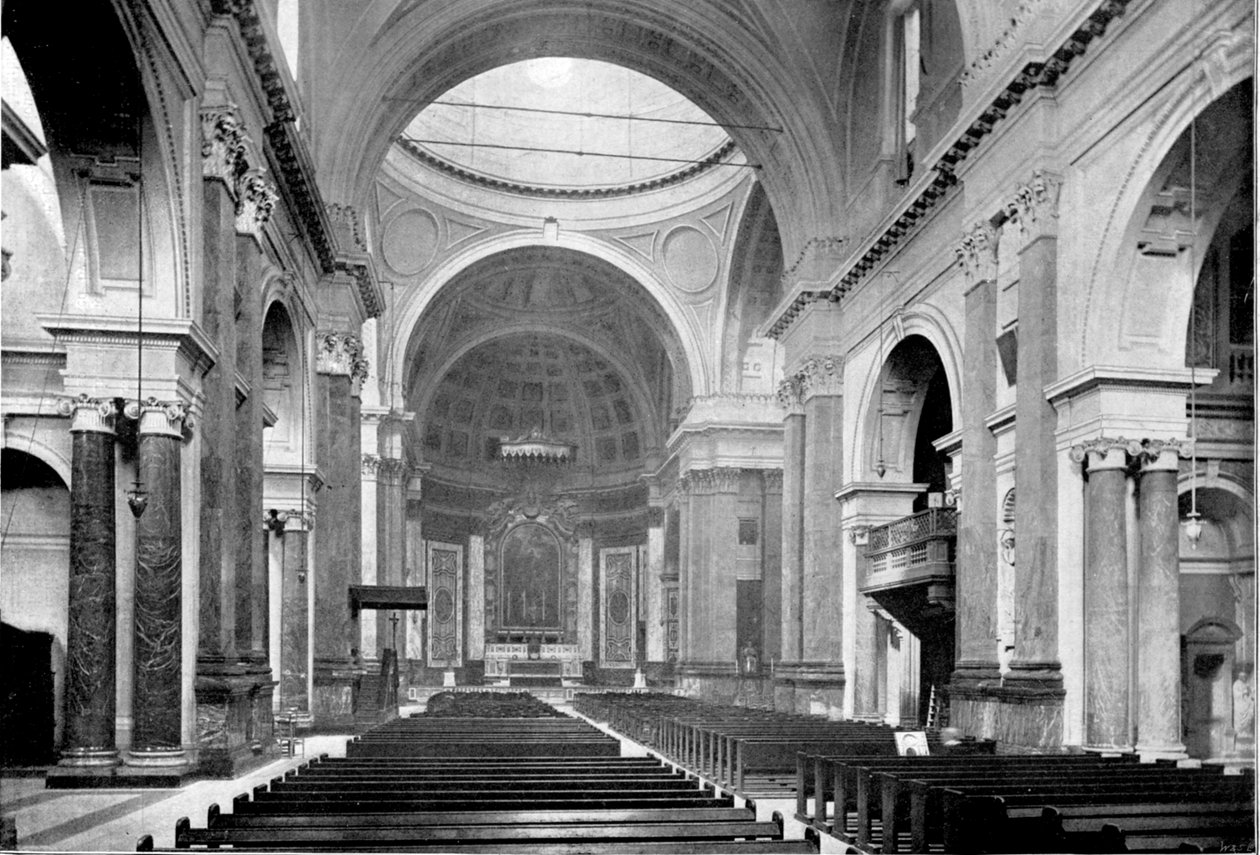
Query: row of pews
{"x": 848, "y": 782}
{"x": 498, "y": 779}
{"x": 751, "y": 751}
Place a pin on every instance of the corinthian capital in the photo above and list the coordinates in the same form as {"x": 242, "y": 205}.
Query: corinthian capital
{"x": 223, "y": 144}
{"x": 821, "y": 375}
{"x": 1035, "y": 205}
{"x": 341, "y": 353}
{"x": 255, "y": 200}
{"x": 789, "y": 396}
{"x": 978, "y": 253}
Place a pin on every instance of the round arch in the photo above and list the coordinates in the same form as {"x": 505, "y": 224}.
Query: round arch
{"x": 31, "y": 443}
{"x": 411, "y": 312}
{"x": 1222, "y": 66}
{"x": 926, "y": 322}
{"x": 712, "y": 60}
{"x": 639, "y": 394}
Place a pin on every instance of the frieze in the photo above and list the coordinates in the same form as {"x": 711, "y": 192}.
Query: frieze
{"x": 89, "y": 414}
{"x": 224, "y": 144}
{"x": 255, "y": 200}
{"x": 978, "y": 252}
{"x": 710, "y": 481}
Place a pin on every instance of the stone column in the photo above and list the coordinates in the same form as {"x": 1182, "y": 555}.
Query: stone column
{"x": 294, "y": 593}
{"x": 791, "y": 600}
{"x": 158, "y": 639}
{"x": 369, "y": 636}
{"x": 390, "y": 552}
{"x": 822, "y": 653}
{"x": 708, "y": 573}
{"x": 1035, "y": 666}
{"x": 1159, "y": 604}
{"x": 772, "y": 566}
{"x": 90, "y": 634}
{"x": 247, "y": 451}
{"x": 415, "y": 564}
{"x": 339, "y": 368}
{"x": 976, "y": 578}
{"x": 1106, "y": 593}
{"x": 655, "y": 612}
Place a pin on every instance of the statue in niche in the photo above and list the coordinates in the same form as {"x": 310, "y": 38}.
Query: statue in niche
{"x": 530, "y": 587}
{"x": 1244, "y": 703}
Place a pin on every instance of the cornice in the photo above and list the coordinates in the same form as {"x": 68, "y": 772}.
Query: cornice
{"x": 927, "y": 192}
{"x": 181, "y": 334}
{"x": 432, "y": 161}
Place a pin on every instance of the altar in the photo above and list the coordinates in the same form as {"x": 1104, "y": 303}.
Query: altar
{"x": 532, "y": 658}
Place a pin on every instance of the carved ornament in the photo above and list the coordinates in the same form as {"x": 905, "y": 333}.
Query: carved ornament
{"x": 224, "y": 144}
{"x": 1106, "y": 452}
{"x": 978, "y": 253}
{"x": 89, "y": 414}
{"x": 772, "y": 480}
{"x": 168, "y": 418}
{"x": 341, "y": 353}
{"x": 1035, "y": 205}
{"x": 1162, "y": 454}
{"x": 347, "y": 228}
{"x": 255, "y": 200}
{"x": 821, "y": 375}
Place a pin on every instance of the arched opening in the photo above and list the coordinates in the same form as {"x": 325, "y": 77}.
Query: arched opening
{"x": 34, "y": 592}
{"x": 910, "y": 572}
{"x": 1217, "y": 595}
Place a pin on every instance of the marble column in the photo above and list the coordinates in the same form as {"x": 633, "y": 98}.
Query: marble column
{"x": 369, "y": 622}
{"x": 772, "y": 566}
{"x": 90, "y": 633}
{"x": 338, "y": 540}
{"x": 824, "y": 578}
{"x": 415, "y": 564}
{"x": 976, "y": 577}
{"x": 1159, "y": 604}
{"x": 1035, "y": 665}
{"x": 247, "y": 458}
{"x": 791, "y": 599}
{"x": 294, "y": 593}
{"x": 1106, "y": 594}
{"x": 711, "y": 525}
{"x": 654, "y": 591}
{"x": 158, "y": 638}
{"x": 390, "y": 534}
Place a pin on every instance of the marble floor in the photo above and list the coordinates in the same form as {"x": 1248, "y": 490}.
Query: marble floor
{"x": 113, "y": 820}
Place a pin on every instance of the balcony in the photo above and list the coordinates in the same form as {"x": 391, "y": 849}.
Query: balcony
{"x": 910, "y": 562}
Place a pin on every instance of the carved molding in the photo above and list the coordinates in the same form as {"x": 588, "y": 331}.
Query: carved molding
{"x": 1035, "y": 205}
{"x": 370, "y": 465}
{"x": 224, "y": 144}
{"x": 255, "y": 200}
{"x": 1002, "y": 46}
{"x": 1162, "y": 454}
{"x": 341, "y": 353}
{"x": 89, "y": 414}
{"x": 978, "y": 252}
{"x": 700, "y": 482}
{"x": 772, "y": 480}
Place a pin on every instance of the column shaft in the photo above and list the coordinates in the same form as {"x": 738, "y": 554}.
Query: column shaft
{"x": 294, "y": 644}
{"x": 772, "y": 567}
{"x": 158, "y": 697}
{"x": 251, "y": 565}
{"x": 976, "y": 580}
{"x": 791, "y": 601}
{"x": 1106, "y": 603}
{"x": 823, "y": 616}
{"x": 1036, "y": 473}
{"x": 1159, "y": 610}
{"x": 90, "y": 634}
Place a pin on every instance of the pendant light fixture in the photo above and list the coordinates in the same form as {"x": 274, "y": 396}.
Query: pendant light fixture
{"x": 1193, "y": 527}
{"x": 137, "y": 496}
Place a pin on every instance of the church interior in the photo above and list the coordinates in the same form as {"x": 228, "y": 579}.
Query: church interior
{"x": 877, "y": 361}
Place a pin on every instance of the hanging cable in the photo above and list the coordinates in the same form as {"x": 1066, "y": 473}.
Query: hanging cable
{"x": 588, "y": 115}
{"x": 1193, "y": 528}
{"x": 137, "y": 498}
{"x": 577, "y": 152}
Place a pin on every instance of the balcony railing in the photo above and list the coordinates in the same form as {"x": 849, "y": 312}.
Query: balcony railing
{"x": 913, "y": 548}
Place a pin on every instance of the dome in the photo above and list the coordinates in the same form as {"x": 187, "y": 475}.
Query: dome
{"x": 532, "y": 105}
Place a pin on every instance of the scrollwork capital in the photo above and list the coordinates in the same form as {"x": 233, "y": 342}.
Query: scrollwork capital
{"x": 977, "y": 252}
{"x": 89, "y": 414}
{"x": 224, "y": 144}
{"x": 1035, "y": 206}
{"x": 821, "y": 375}
{"x": 255, "y": 200}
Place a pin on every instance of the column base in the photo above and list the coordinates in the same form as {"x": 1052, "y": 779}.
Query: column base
{"x": 157, "y": 758}
{"x": 1107, "y": 750}
{"x": 333, "y": 702}
{"x": 810, "y": 687}
{"x": 1151, "y": 753}
{"x": 86, "y": 758}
